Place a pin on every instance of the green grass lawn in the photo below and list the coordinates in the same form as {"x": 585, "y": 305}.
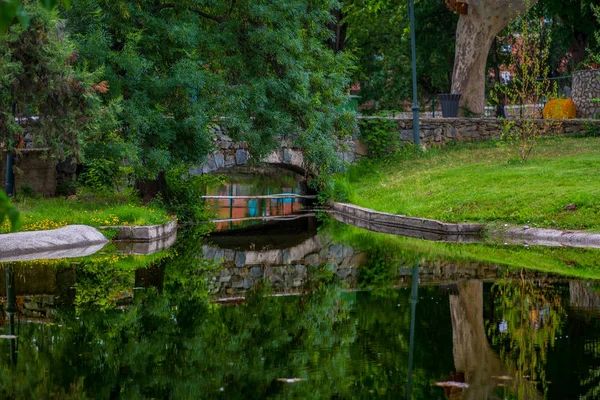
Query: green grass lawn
{"x": 52, "y": 213}
{"x": 482, "y": 183}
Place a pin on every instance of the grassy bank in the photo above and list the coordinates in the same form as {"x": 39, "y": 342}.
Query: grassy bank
{"x": 558, "y": 187}
{"x": 52, "y": 213}
{"x": 565, "y": 261}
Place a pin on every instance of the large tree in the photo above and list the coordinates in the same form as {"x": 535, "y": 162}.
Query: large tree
{"x": 475, "y": 33}
{"x": 577, "y": 26}
{"x": 261, "y": 69}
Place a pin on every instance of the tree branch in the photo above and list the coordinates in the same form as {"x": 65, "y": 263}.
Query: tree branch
{"x": 204, "y": 14}
{"x": 199, "y": 12}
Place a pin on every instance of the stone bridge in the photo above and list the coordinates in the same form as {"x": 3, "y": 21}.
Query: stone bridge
{"x": 230, "y": 154}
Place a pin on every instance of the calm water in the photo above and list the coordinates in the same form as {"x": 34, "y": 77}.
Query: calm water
{"x": 301, "y": 309}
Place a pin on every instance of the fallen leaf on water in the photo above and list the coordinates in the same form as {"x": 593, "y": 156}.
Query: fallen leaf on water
{"x": 502, "y": 377}
{"x": 461, "y": 385}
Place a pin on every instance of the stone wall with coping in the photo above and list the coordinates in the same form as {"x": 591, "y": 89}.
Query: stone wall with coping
{"x": 586, "y": 87}
{"x": 439, "y": 132}
{"x": 434, "y": 132}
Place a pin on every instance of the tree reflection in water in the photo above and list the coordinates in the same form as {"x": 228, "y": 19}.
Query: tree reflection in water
{"x": 531, "y": 316}
{"x": 167, "y": 339}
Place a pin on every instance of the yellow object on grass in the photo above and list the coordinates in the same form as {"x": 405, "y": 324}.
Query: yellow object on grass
{"x": 560, "y": 109}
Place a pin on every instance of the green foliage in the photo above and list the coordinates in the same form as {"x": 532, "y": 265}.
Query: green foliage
{"x": 8, "y": 212}
{"x": 534, "y": 318}
{"x": 591, "y": 130}
{"x": 338, "y": 188}
{"x": 380, "y": 134}
{"x": 573, "y": 25}
{"x": 38, "y": 78}
{"x": 183, "y": 192}
{"x": 11, "y": 9}
{"x": 379, "y": 35}
{"x": 99, "y": 175}
{"x": 261, "y": 69}
{"x": 595, "y": 54}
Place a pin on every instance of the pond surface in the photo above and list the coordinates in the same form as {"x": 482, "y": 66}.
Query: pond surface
{"x": 304, "y": 308}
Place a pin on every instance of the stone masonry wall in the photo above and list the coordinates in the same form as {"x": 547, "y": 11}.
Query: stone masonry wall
{"x": 438, "y": 132}
{"x": 586, "y": 86}
{"x": 434, "y": 132}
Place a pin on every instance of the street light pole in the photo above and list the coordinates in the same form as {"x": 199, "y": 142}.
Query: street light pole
{"x": 415, "y": 107}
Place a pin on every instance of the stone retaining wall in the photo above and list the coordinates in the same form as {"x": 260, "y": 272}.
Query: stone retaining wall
{"x": 147, "y": 233}
{"x": 586, "y": 86}
{"x": 439, "y": 132}
{"x": 423, "y": 225}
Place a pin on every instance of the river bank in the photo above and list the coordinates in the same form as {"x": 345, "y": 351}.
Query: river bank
{"x": 557, "y": 188}
{"x": 39, "y": 213}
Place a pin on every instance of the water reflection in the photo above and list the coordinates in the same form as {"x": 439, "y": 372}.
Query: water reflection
{"x": 414, "y": 294}
{"x": 317, "y": 317}
{"x": 11, "y": 309}
{"x": 254, "y": 203}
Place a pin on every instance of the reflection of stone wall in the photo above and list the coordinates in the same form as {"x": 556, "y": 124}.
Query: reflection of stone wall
{"x": 40, "y": 289}
{"x": 287, "y": 271}
{"x": 586, "y": 86}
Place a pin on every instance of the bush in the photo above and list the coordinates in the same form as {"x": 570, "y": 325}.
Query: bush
{"x": 183, "y": 194}
{"x": 8, "y": 211}
{"x": 380, "y": 134}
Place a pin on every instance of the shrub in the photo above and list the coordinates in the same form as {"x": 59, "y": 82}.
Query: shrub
{"x": 380, "y": 134}
{"x": 528, "y": 88}
{"x": 183, "y": 194}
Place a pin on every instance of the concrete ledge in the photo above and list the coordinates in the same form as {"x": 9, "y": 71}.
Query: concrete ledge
{"x": 67, "y": 242}
{"x": 404, "y": 223}
{"x": 419, "y": 234}
{"x": 143, "y": 233}
{"x": 146, "y": 248}
{"x": 546, "y": 237}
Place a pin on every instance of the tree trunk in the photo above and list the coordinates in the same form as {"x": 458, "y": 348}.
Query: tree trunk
{"x": 149, "y": 188}
{"x": 474, "y": 35}
{"x": 579, "y": 48}
{"x": 338, "y": 41}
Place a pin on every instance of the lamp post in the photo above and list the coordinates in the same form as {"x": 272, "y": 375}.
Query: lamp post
{"x": 415, "y": 107}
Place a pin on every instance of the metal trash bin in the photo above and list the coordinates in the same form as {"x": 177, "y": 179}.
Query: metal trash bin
{"x": 449, "y": 104}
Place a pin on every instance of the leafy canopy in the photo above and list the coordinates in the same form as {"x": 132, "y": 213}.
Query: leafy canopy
{"x": 37, "y": 78}
{"x": 260, "y": 69}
